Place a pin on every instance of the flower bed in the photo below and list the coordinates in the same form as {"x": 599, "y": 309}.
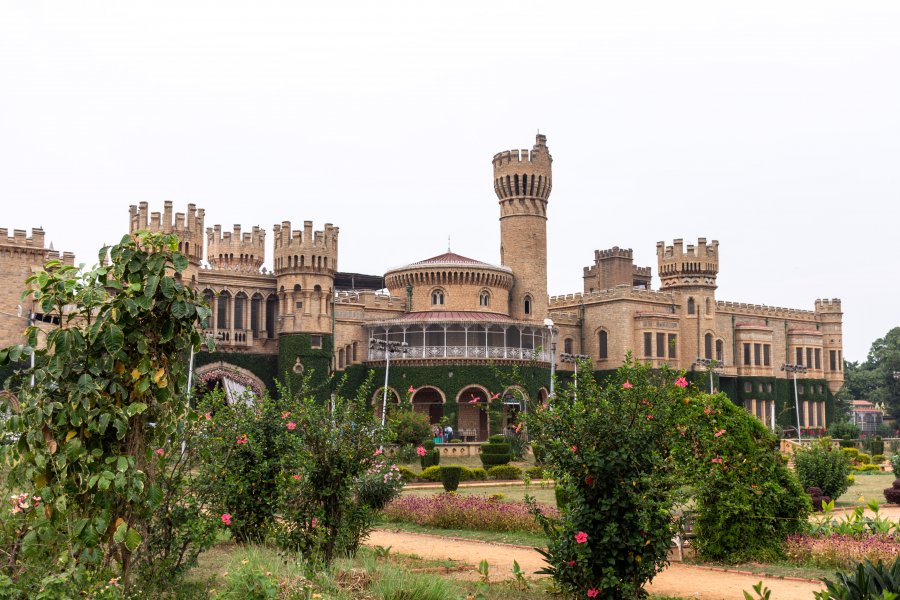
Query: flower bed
{"x": 841, "y": 551}
{"x": 465, "y": 511}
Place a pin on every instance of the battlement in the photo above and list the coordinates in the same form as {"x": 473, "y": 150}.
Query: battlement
{"x": 621, "y": 292}
{"x": 523, "y": 173}
{"x": 763, "y": 310}
{"x": 31, "y": 248}
{"x": 19, "y": 239}
{"x": 305, "y": 250}
{"x": 641, "y": 271}
{"x": 826, "y": 305}
{"x": 614, "y": 252}
{"x": 696, "y": 265}
{"x": 232, "y": 250}
{"x": 188, "y": 227}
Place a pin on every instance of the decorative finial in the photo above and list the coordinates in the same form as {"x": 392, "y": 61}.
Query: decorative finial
{"x": 448, "y": 244}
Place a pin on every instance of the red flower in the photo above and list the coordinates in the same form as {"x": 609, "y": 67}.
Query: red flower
{"x": 519, "y": 426}
{"x": 291, "y": 425}
{"x": 649, "y": 417}
{"x": 571, "y": 563}
{"x": 296, "y": 476}
{"x": 581, "y": 537}
{"x": 718, "y": 460}
{"x": 589, "y": 480}
{"x": 411, "y": 390}
{"x": 160, "y": 451}
{"x": 681, "y": 382}
{"x": 719, "y": 433}
{"x": 627, "y": 385}
{"x": 574, "y": 448}
{"x": 495, "y": 396}
{"x": 226, "y": 518}
{"x": 593, "y": 592}
{"x": 285, "y": 414}
{"x": 420, "y": 451}
{"x": 241, "y": 439}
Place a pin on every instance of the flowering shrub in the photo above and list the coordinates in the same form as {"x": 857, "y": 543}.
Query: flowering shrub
{"x": 822, "y": 466}
{"x": 841, "y": 551}
{"x": 465, "y": 511}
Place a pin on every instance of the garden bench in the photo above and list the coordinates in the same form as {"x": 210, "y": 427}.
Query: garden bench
{"x": 684, "y": 530}
{"x": 468, "y": 435}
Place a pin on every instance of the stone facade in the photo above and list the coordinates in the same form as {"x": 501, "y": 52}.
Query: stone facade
{"x": 454, "y": 312}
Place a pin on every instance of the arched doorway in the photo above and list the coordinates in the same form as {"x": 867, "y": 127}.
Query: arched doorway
{"x": 239, "y": 385}
{"x": 472, "y": 425}
{"x": 514, "y": 404}
{"x": 393, "y": 400}
{"x": 430, "y": 401}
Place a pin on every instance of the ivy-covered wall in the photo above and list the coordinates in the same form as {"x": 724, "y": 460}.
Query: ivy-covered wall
{"x": 316, "y": 362}
{"x": 6, "y": 371}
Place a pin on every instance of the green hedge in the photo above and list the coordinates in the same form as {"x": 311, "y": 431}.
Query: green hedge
{"x": 450, "y": 476}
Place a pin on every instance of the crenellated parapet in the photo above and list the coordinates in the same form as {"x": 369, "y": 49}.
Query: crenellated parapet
{"x": 621, "y": 292}
{"x": 614, "y": 267}
{"x": 696, "y": 266}
{"x": 187, "y": 226}
{"x": 21, "y": 248}
{"x": 305, "y": 251}
{"x": 235, "y": 251}
{"x": 762, "y": 310}
{"x": 521, "y": 174}
{"x": 829, "y": 306}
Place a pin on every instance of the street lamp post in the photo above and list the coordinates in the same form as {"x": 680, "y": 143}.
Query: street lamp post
{"x": 548, "y": 323}
{"x": 713, "y": 366}
{"x": 388, "y": 347}
{"x": 791, "y": 368}
{"x": 568, "y": 357}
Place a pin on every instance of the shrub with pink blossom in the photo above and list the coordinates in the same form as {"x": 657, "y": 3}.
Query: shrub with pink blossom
{"x": 841, "y": 551}
{"x": 465, "y": 511}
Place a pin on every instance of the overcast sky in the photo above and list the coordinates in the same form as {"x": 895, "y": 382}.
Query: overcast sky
{"x": 773, "y": 127}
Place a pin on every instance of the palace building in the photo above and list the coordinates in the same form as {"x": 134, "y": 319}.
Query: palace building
{"x": 475, "y": 341}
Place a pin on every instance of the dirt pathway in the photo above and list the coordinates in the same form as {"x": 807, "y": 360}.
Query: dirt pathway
{"x": 686, "y": 581}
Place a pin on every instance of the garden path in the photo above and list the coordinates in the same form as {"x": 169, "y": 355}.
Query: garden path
{"x": 686, "y": 581}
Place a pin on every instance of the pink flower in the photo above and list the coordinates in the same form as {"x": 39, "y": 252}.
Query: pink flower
{"x": 296, "y": 476}
{"x": 495, "y": 396}
{"x": 627, "y": 385}
{"x": 649, "y": 417}
{"x": 241, "y": 439}
{"x": 574, "y": 448}
{"x": 420, "y": 451}
{"x": 285, "y": 414}
{"x": 314, "y": 522}
{"x": 226, "y": 518}
{"x": 571, "y": 563}
{"x": 593, "y": 592}
{"x": 208, "y": 416}
{"x": 377, "y": 452}
{"x": 719, "y": 433}
{"x": 718, "y": 460}
{"x": 580, "y": 537}
{"x": 160, "y": 451}
{"x": 519, "y": 426}
{"x": 291, "y": 425}
{"x": 411, "y": 390}
{"x": 681, "y": 382}
{"x": 707, "y": 410}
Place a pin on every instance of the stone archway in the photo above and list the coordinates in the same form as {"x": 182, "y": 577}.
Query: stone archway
{"x": 235, "y": 381}
{"x": 393, "y": 400}
{"x": 514, "y": 399}
{"x": 429, "y": 400}
{"x": 473, "y": 424}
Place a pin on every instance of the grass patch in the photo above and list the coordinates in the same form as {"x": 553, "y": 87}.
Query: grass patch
{"x": 870, "y": 485}
{"x": 543, "y": 493}
{"x": 520, "y": 538}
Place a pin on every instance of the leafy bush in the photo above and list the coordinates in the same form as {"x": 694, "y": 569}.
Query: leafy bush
{"x": 495, "y": 452}
{"x": 429, "y": 457}
{"x": 868, "y": 581}
{"x": 865, "y": 468}
{"x": 863, "y": 458}
{"x": 848, "y": 443}
{"x": 409, "y": 428}
{"x": 817, "y": 498}
{"x": 822, "y": 466}
{"x": 408, "y": 474}
{"x": 895, "y": 465}
{"x": 873, "y": 445}
{"x": 877, "y": 459}
{"x": 892, "y": 494}
{"x": 450, "y": 476}
{"x": 465, "y": 473}
{"x": 851, "y": 453}
{"x": 844, "y": 430}
{"x": 505, "y": 472}
{"x": 432, "y": 473}
{"x": 535, "y": 472}
{"x": 479, "y": 474}
{"x": 517, "y": 445}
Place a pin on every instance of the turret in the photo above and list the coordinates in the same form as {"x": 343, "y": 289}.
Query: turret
{"x": 523, "y": 181}
{"x": 188, "y": 228}
{"x": 233, "y": 251}
{"x": 305, "y": 263}
{"x": 830, "y": 321}
{"x": 614, "y": 267}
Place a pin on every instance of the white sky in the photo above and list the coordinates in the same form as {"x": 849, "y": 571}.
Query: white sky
{"x": 773, "y": 127}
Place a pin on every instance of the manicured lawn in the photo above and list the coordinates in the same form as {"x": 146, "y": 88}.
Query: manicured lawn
{"x": 868, "y": 485}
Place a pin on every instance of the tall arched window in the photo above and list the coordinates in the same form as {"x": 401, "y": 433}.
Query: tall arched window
{"x": 527, "y": 305}
{"x": 485, "y": 299}
{"x": 719, "y": 350}
{"x": 603, "y": 338}
{"x": 707, "y": 306}
{"x": 707, "y": 345}
{"x": 690, "y": 306}
{"x": 341, "y": 358}
{"x": 567, "y": 345}
{"x": 437, "y": 298}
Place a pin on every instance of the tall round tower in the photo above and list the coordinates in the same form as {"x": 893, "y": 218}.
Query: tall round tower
{"x": 305, "y": 263}
{"x": 188, "y": 228}
{"x": 522, "y": 182}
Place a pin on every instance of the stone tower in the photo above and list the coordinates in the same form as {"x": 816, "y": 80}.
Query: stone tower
{"x": 305, "y": 263}
{"x": 829, "y": 316}
{"x": 692, "y": 272}
{"x": 233, "y": 251}
{"x": 522, "y": 182}
{"x": 188, "y": 228}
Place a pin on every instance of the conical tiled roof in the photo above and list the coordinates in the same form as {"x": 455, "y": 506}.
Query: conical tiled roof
{"x": 450, "y": 258}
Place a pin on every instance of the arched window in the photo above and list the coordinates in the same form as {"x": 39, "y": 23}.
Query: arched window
{"x": 527, "y": 305}
{"x": 437, "y": 298}
{"x": 707, "y": 345}
{"x": 707, "y": 306}
{"x": 719, "y": 350}
{"x": 341, "y": 358}
{"x": 603, "y": 338}
{"x": 690, "y": 306}
{"x": 567, "y": 345}
{"x": 485, "y": 299}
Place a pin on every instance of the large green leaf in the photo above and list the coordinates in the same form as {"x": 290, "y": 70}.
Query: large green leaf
{"x": 180, "y": 262}
{"x": 135, "y": 408}
{"x": 132, "y": 540}
{"x": 150, "y": 287}
{"x": 113, "y": 339}
{"x": 121, "y": 531}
